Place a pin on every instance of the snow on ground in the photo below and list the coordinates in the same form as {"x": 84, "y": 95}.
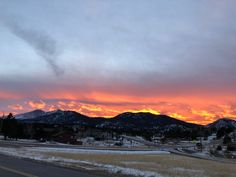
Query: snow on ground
{"x": 202, "y": 154}
{"x": 29, "y": 141}
{"x": 90, "y": 141}
{"x": 36, "y": 154}
{"x": 93, "y": 151}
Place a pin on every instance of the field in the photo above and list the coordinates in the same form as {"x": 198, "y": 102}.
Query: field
{"x": 165, "y": 165}
{"x": 136, "y": 163}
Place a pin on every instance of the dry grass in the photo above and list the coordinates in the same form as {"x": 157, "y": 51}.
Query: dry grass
{"x": 166, "y": 165}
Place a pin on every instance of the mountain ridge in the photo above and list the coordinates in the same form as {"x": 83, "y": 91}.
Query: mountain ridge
{"x": 39, "y": 113}
{"x": 141, "y": 123}
{"x": 223, "y": 123}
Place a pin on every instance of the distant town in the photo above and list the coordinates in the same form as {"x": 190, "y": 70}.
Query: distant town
{"x": 124, "y": 130}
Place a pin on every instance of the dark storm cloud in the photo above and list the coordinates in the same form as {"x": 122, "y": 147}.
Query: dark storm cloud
{"x": 42, "y": 43}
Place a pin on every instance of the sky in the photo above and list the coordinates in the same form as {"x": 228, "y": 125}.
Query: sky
{"x": 105, "y": 57}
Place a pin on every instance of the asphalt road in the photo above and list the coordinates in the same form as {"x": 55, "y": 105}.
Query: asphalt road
{"x": 14, "y": 167}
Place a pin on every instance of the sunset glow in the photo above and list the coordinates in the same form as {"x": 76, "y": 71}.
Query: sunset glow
{"x": 95, "y": 106}
{"x": 105, "y": 58}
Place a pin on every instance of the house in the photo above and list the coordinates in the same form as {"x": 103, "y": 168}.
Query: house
{"x": 97, "y": 133}
{"x": 67, "y": 137}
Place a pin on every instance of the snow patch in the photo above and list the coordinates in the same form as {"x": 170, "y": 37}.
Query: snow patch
{"x": 31, "y": 153}
{"x": 92, "y": 151}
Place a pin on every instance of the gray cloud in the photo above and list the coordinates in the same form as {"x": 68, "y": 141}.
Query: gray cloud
{"x": 43, "y": 44}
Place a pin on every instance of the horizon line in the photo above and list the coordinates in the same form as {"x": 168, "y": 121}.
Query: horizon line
{"x": 130, "y": 111}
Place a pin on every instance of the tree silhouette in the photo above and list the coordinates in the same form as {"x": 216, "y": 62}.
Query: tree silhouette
{"x": 9, "y": 127}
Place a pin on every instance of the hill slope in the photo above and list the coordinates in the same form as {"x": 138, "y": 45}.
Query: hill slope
{"x": 125, "y": 121}
{"x": 30, "y": 115}
{"x": 223, "y": 123}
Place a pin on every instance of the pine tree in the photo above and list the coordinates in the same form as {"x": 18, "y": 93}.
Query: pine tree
{"x": 9, "y": 127}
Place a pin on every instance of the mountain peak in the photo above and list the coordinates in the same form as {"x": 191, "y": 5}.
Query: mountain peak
{"x": 30, "y": 115}
{"x": 223, "y": 123}
{"x": 38, "y": 111}
{"x": 55, "y": 111}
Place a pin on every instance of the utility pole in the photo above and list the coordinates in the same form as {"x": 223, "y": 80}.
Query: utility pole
{"x": 201, "y": 134}
{"x": 3, "y": 114}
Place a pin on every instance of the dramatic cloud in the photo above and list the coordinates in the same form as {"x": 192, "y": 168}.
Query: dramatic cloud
{"x": 43, "y": 44}
{"x": 191, "y": 111}
{"x": 167, "y": 57}
{"x": 16, "y": 107}
{"x": 36, "y": 104}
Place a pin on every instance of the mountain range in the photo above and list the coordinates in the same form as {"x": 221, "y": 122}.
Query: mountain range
{"x": 125, "y": 121}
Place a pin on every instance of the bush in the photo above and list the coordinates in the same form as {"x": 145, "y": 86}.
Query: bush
{"x": 231, "y": 147}
{"x": 227, "y": 139}
{"x": 219, "y": 148}
{"x": 118, "y": 144}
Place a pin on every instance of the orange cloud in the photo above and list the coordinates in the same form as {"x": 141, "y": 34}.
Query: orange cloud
{"x": 37, "y": 104}
{"x": 194, "y": 113}
{"x": 16, "y": 107}
{"x": 200, "y": 108}
{"x": 178, "y": 116}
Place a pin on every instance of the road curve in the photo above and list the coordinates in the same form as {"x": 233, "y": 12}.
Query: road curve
{"x": 14, "y": 167}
